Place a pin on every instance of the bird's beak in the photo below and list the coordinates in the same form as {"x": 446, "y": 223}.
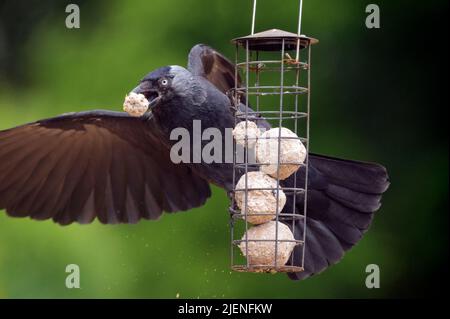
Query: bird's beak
{"x": 153, "y": 96}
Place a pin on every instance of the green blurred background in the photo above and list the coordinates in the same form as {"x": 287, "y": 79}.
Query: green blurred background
{"x": 378, "y": 95}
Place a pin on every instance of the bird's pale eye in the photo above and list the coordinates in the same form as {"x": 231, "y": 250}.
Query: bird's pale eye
{"x": 164, "y": 82}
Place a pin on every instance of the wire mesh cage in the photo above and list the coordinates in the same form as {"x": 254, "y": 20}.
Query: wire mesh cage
{"x": 275, "y": 68}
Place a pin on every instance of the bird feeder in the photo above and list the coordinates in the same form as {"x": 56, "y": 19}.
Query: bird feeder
{"x": 275, "y": 68}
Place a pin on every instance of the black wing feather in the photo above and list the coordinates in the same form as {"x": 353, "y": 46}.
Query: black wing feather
{"x": 98, "y": 164}
{"x": 343, "y": 196}
{"x": 216, "y": 68}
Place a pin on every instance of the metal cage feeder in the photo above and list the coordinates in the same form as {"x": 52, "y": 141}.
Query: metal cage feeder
{"x": 251, "y": 67}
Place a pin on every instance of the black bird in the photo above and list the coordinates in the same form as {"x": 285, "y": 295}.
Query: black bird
{"x": 108, "y": 165}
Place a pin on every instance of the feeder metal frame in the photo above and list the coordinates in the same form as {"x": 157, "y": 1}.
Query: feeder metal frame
{"x": 272, "y": 40}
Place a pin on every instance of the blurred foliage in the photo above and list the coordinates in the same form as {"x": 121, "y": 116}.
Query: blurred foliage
{"x": 377, "y": 95}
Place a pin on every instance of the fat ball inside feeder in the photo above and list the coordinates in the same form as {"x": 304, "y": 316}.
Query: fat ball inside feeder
{"x": 292, "y": 152}
{"x": 246, "y": 129}
{"x": 261, "y": 197}
{"x": 262, "y": 240}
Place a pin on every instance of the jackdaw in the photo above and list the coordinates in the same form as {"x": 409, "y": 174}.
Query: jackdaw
{"x": 108, "y": 165}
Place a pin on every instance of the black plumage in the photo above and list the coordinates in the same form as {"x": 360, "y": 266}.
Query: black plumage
{"x": 108, "y": 165}
{"x": 100, "y": 164}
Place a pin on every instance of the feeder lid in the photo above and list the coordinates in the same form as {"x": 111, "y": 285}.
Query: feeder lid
{"x": 272, "y": 40}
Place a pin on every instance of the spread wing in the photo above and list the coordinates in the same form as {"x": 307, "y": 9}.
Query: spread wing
{"x": 80, "y": 166}
{"x": 212, "y": 65}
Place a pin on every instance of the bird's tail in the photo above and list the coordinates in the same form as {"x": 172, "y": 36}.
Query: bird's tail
{"x": 342, "y": 198}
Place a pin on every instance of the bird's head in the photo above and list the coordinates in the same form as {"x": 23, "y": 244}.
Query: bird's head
{"x": 166, "y": 83}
